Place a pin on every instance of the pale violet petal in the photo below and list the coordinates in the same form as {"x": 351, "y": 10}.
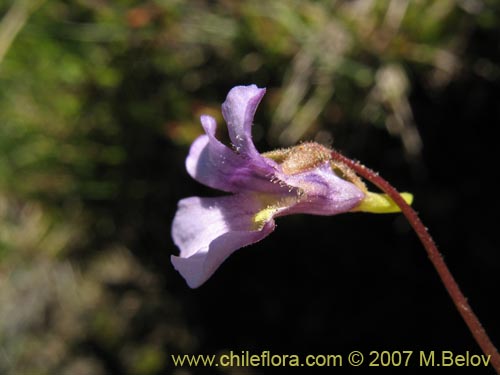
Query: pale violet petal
{"x": 216, "y": 165}
{"x": 238, "y": 110}
{"x": 208, "y": 230}
{"x": 323, "y": 192}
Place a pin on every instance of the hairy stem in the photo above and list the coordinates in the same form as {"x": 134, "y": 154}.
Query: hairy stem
{"x": 435, "y": 256}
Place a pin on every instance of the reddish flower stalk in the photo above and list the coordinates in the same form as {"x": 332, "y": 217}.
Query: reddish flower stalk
{"x": 435, "y": 256}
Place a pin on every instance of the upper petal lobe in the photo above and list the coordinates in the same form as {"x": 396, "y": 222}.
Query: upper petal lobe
{"x": 238, "y": 110}
{"x": 216, "y": 165}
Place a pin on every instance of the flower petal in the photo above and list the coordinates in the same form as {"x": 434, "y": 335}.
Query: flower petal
{"x": 323, "y": 192}
{"x": 208, "y": 230}
{"x": 238, "y": 111}
{"x": 216, "y": 165}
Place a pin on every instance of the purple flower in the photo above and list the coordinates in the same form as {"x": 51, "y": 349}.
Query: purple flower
{"x": 262, "y": 187}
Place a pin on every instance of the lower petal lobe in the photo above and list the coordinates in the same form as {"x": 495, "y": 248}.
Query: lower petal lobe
{"x": 208, "y": 230}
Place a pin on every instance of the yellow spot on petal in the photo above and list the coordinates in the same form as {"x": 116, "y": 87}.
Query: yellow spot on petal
{"x": 381, "y": 203}
{"x": 263, "y": 216}
{"x": 272, "y": 204}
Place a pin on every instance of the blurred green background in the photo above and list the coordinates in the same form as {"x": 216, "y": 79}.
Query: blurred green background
{"x": 99, "y": 102}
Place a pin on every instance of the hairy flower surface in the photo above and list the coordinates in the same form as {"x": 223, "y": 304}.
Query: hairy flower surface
{"x": 263, "y": 187}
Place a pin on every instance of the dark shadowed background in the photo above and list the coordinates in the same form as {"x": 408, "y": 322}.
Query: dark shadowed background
{"x": 99, "y": 102}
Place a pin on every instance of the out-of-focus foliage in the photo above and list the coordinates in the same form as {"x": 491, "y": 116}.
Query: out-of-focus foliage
{"x": 98, "y": 103}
